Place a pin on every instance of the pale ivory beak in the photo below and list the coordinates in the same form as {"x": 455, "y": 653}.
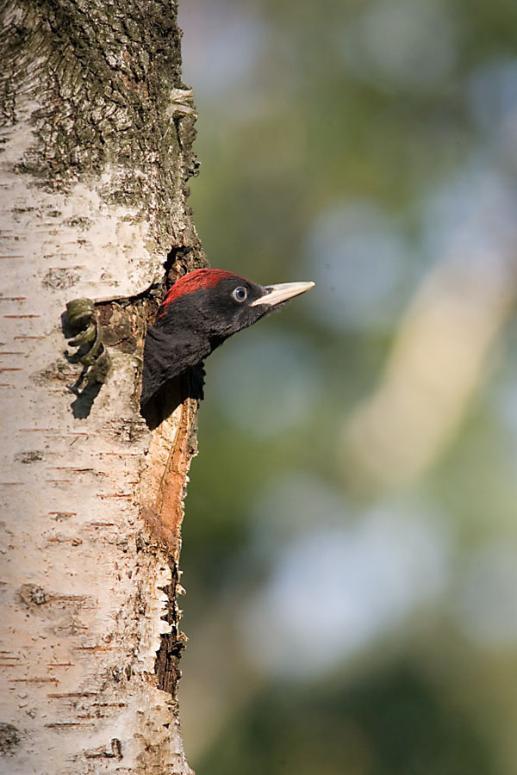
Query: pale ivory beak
{"x": 276, "y": 294}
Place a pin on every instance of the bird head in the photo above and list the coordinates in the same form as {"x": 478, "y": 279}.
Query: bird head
{"x": 219, "y": 303}
{"x": 201, "y": 310}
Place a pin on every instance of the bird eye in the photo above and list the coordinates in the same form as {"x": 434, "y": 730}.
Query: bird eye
{"x": 240, "y": 294}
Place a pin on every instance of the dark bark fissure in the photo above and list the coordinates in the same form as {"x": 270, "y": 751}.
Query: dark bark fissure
{"x": 171, "y": 645}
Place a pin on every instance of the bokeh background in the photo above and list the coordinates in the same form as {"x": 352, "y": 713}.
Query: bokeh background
{"x": 350, "y": 546}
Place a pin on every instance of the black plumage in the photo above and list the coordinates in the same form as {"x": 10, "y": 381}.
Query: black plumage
{"x": 200, "y": 312}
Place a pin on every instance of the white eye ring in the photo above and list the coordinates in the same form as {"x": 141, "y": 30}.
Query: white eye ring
{"x": 240, "y": 293}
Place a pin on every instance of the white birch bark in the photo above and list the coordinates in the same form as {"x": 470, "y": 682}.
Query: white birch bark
{"x": 96, "y": 137}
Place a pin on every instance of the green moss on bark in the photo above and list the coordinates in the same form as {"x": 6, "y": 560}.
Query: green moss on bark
{"x": 102, "y": 82}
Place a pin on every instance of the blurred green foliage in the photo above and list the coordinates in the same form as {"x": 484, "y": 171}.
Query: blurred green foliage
{"x": 322, "y": 124}
{"x": 390, "y": 722}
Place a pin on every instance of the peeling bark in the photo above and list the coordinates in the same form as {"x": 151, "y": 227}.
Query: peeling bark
{"x": 95, "y": 154}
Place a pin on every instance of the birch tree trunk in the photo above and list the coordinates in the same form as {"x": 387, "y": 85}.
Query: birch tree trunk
{"x": 95, "y": 155}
